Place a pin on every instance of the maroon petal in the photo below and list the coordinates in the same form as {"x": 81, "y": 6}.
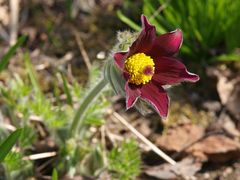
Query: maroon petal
{"x": 156, "y": 96}
{"x": 126, "y": 75}
{"x": 167, "y": 44}
{"x": 145, "y": 40}
{"x": 132, "y": 94}
{"x": 170, "y": 71}
{"x": 119, "y": 58}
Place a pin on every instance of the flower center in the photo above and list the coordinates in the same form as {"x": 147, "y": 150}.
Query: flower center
{"x": 140, "y": 67}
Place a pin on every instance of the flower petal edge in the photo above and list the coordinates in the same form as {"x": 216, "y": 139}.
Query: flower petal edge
{"x": 167, "y": 44}
{"x": 169, "y": 70}
{"x": 157, "y": 97}
{"x": 145, "y": 39}
{"x": 119, "y": 58}
{"x": 132, "y": 94}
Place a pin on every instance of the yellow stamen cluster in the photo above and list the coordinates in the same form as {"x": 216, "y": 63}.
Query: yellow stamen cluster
{"x": 140, "y": 67}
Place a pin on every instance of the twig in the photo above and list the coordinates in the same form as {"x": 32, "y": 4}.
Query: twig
{"x": 160, "y": 9}
{"x": 14, "y": 11}
{"x": 8, "y": 127}
{"x": 144, "y": 139}
{"x": 67, "y": 57}
{"x": 83, "y": 52}
{"x": 103, "y": 142}
{"x": 69, "y": 73}
{"x": 40, "y": 156}
{"x": 41, "y": 168}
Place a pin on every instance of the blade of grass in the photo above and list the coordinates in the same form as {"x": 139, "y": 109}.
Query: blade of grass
{"x": 156, "y": 17}
{"x": 32, "y": 74}
{"x": 66, "y": 90}
{"x": 227, "y": 57}
{"x": 7, "y": 145}
{"x": 54, "y": 174}
{"x": 5, "y": 59}
{"x": 68, "y": 5}
{"x": 128, "y": 21}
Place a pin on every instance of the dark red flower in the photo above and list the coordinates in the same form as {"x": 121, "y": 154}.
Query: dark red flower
{"x": 149, "y": 64}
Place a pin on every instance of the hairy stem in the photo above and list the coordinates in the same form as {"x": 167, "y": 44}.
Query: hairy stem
{"x": 91, "y": 96}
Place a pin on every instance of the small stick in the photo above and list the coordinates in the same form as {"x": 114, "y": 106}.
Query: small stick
{"x": 42, "y": 168}
{"x": 8, "y": 127}
{"x": 40, "y": 156}
{"x": 103, "y": 142}
{"x": 144, "y": 139}
{"x": 14, "y": 14}
{"x": 160, "y": 9}
{"x": 85, "y": 56}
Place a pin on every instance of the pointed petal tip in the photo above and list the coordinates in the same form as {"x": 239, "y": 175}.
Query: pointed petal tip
{"x": 164, "y": 114}
{"x": 191, "y": 77}
{"x": 178, "y": 36}
{"x": 177, "y": 31}
{"x": 128, "y": 106}
{"x": 170, "y": 71}
{"x": 144, "y": 19}
{"x": 132, "y": 96}
{"x": 167, "y": 44}
{"x": 196, "y": 78}
{"x": 145, "y": 23}
{"x": 130, "y": 103}
{"x": 143, "y": 16}
{"x": 156, "y": 96}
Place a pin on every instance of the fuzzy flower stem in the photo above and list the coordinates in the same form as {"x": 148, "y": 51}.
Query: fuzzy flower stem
{"x": 89, "y": 99}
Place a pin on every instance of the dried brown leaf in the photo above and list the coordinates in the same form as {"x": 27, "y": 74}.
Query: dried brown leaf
{"x": 179, "y": 137}
{"x": 186, "y": 168}
{"x": 216, "y": 148}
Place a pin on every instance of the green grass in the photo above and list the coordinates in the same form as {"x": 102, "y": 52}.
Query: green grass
{"x": 209, "y": 26}
{"x": 23, "y": 97}
{"x": 6, "y": 57}
{"x": 7, "y": 145}
{"x": 124, "y": 161}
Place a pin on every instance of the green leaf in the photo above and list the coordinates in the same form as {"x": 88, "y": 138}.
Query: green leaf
{"x": 7, "y": 145}
{"x": 54, "y": 174}
{"x": 5, "y": 59}
{"x": 205, "y": 23}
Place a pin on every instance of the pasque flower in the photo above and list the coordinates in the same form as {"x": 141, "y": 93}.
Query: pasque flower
{"x": 149, "y": 64}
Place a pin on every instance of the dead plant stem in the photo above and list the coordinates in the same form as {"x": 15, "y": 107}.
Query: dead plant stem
{"x": 83, "y": 52}
{"x": 144, "y": 139}
{"x": 14, "y": 15}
